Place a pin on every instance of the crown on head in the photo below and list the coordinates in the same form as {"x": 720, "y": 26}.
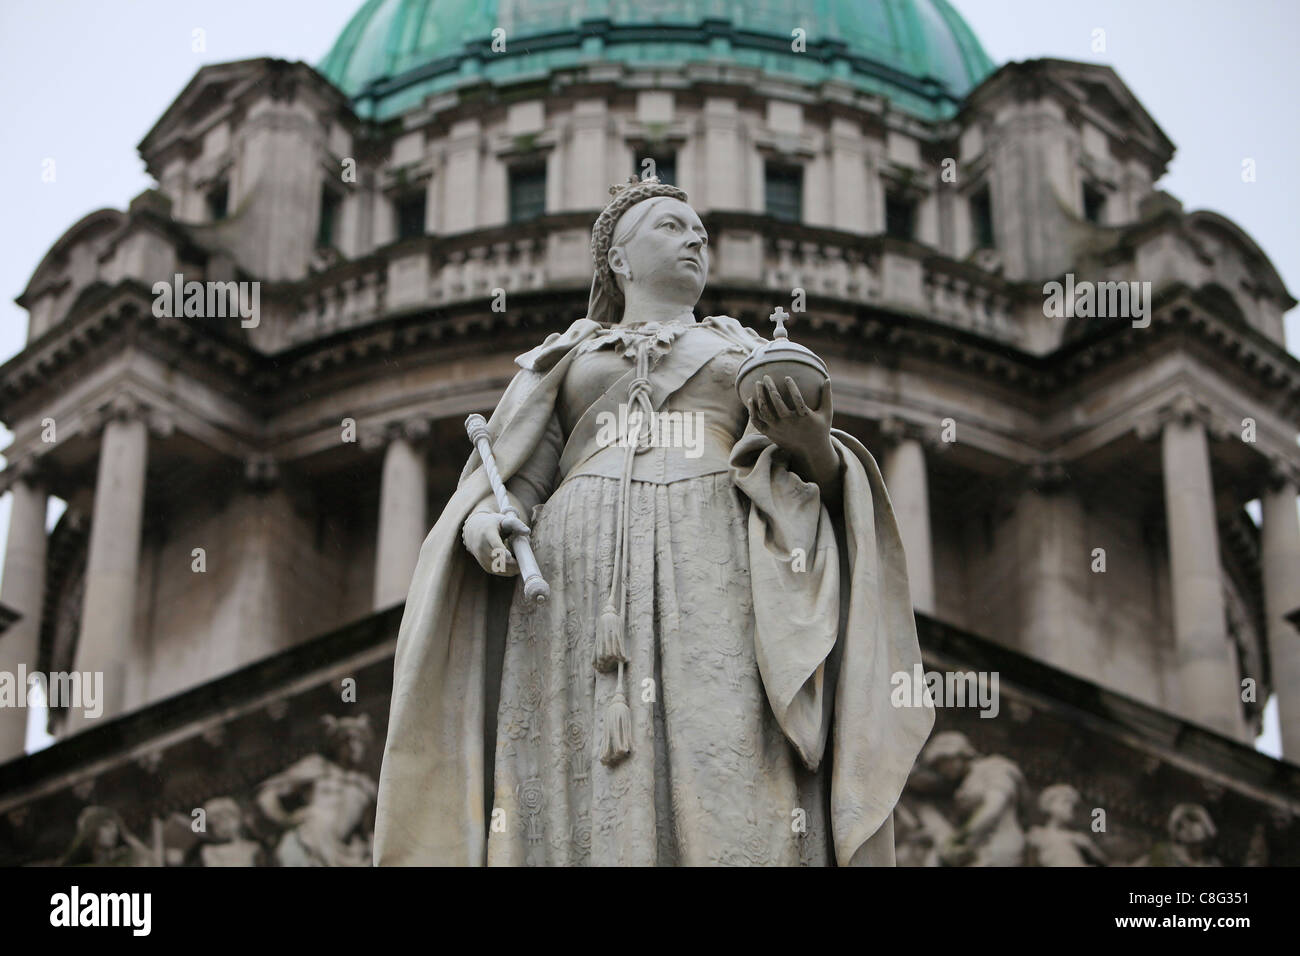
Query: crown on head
{"x": 633, "y": 180}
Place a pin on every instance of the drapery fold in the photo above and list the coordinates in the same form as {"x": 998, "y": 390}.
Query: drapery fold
{"x": 833, "y": 623}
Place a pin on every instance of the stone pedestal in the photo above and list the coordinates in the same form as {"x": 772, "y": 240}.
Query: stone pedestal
{"x": 1280, "y": 561}
{"x": 23, "y": 590}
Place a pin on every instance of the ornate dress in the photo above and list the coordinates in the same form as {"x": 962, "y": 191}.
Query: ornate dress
{"x": 709, "y": 777}
{"x": 748, "y": 717}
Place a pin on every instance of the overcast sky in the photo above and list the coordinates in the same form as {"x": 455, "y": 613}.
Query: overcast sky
{"x": 82, "y": 81}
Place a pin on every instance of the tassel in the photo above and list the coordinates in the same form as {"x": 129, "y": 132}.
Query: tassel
{"x": 609, "y": 651}
{"x": 618, "y": 731}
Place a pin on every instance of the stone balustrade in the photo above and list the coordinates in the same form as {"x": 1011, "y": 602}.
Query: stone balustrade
{"x": 438, "y": 271}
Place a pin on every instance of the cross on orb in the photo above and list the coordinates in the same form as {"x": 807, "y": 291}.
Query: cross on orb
{"x": 779, "y": 315}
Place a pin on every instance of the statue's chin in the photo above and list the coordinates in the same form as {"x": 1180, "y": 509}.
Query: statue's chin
{"x": 683, "y": 285}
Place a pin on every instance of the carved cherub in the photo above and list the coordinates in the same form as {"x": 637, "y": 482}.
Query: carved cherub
{"x": 1055, "y": 843}
{"x": 227, "y": 844}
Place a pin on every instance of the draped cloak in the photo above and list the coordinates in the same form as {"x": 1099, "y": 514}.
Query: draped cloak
{"x": 832, "y": 628}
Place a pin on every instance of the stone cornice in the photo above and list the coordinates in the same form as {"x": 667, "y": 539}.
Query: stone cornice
{"x": 192, "y": 722}
{"x": 119, "y": 317}
{"x": 1041, "y": 375}
{"x": 1175, "y": 313}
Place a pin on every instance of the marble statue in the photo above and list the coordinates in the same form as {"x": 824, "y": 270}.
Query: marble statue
{"x": 726, "y": 601}
{"x": 1190, "y": 833}
{"x": 962, "y": 809}
{"x": 227, "y": 844}
{"x": 920, "y": 829}
{"x": 102, "y": 839}
{"x": 328, "y": 828}
{"x": 1056, "y": 842}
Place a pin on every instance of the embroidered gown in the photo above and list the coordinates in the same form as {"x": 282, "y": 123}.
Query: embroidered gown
{"x": 710, "y": 777}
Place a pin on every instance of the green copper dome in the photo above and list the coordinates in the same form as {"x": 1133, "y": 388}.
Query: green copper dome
{"x": 918, "y": 53}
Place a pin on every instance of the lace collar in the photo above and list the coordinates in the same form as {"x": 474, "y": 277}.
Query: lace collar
{"x": 628, "y": 338}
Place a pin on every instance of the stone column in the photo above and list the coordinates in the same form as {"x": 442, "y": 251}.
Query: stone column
{"x": 1207, "y": 672}
{"x": 403, "y": 495}
{"x": 1055, "y": 563}
{"x": 23, "y": 591}
{"x": 909, "y": 492}
{"x": 1280, "y": 564}
{"x": 112, "y": 566}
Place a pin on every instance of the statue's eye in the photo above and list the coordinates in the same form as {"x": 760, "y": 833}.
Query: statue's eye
{"x": 670, "y": 222}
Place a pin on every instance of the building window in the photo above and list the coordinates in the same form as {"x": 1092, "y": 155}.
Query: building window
{"x": 1094, "y": 204}
{"x": 981, "y": 218}
{"x": 330, "y": 203}
{"x": 218, "y": 201}
{"x": 527, "y": 192}
{"x": 784, "y": 192}
{"x": 900, "y": 216}
{"x": 665, "y": 167}
{"x": 410, "y": 214}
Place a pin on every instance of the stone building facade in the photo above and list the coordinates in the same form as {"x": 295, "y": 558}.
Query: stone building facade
{"x": 415, "y": 212}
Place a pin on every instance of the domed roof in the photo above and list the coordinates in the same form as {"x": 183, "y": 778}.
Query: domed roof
{"x": 918, "y": 53}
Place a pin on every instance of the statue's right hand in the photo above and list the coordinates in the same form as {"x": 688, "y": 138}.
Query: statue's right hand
{"x": 483, "y": 533}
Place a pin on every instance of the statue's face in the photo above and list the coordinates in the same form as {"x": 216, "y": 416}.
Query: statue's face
{"x": 668, "y": 254}
{"x": 952, "y": 767}
{"x": 225, "y": 826}
{"x": 1060, "y": 806}
{"x": 1189, "y": 828}
{"x": 352, "y": 747}
{"x": 106, "y": 835}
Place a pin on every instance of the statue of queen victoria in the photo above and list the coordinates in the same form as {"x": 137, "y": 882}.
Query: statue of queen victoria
{"x": 709, "y": 680}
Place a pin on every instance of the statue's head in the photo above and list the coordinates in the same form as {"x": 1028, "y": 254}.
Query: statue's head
{"x": 1190, "y": 824}
{"x": 649, "y": 243}
{"x": 661, "y": 245}
{"x": 949, "y": 754}
{"x": 100, "y": 830}
{"x": 1058, "y": 802}
{"x": 350, "y": 737}
{"x": 108, "y": 833}
{"x": 225, "y": 819}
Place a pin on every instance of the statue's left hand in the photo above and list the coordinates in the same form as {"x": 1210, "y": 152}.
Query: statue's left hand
{"x": 804, "y": 433}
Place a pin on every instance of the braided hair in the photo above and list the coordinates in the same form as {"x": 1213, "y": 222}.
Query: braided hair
{"x": 606, "y": 301}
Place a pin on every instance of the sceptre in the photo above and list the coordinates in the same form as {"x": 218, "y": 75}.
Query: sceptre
{"x": 536, "y": 589}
